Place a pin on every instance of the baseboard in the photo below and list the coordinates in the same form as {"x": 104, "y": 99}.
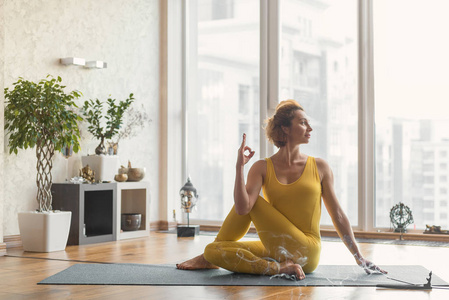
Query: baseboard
{"x": 154, "y": 226}
{"x": 12, "y": 241}
{"x": 162, "y": 225}
{"x": 2, "y": 249}
{"x": 216, "y": 228}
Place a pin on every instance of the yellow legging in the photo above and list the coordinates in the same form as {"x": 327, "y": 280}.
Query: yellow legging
{"x": 279, "y": 240}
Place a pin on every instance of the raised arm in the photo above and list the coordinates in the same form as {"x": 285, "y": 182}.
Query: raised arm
{"x": 246, "y": 195}
{"x": 339, "y": 218}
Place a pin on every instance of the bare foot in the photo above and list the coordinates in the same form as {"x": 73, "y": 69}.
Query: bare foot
{"x": 196, "y": 263}
{"x": 290, "y": 268}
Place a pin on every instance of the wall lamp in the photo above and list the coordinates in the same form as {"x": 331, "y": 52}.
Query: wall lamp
{"x": 76, "y": 61}
{"x": 96, "y": 64}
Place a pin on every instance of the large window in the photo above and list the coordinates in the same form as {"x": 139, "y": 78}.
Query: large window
{"x": 411, "y": 99}
{"x": 223, "y": 97}
{"x": 324, "y": 61}
{"x": 318, "y": 68}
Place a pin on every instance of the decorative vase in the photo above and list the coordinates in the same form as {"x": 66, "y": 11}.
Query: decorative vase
{"x": 112, "y": 148}
{"x": 67, "y": 151}
{"x": 115, "y": 148}
{"x": 100, "y": 148}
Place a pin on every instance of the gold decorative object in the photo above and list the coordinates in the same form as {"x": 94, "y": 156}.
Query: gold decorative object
{"x": 121, "y": 177}
{"x": 88, "y": 174}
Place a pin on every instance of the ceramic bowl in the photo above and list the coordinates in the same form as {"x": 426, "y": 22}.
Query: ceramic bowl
{"x": 131, "y": 221}
{"x": 136, "y": 174}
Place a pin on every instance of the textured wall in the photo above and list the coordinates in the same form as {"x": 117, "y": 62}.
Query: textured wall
{"x": 124, "y": 33}
{"x": 2, "y": 30}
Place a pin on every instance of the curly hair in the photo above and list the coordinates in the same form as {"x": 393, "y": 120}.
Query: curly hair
{"x": 283, "y": 116}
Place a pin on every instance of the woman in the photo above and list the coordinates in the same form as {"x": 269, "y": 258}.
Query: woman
{"x": 287, "y": 218}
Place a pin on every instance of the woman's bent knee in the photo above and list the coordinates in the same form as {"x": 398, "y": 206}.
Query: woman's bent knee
{"x": 210, "y": 253}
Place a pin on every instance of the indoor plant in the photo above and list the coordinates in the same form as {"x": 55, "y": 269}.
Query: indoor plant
{"x": 93, "y": 112}
{"x": 40, "y": 115}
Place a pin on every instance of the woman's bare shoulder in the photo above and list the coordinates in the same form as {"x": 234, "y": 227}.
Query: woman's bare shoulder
{"x": 258, "y": 169}
{"x": 320, "y": 161}
{"x": 261, "y": 164}
{"x": 323, "y": 166}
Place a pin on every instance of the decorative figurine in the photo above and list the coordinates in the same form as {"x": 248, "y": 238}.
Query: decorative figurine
{"x": 189, "y": 197}
{"x": 88, "y": 174}
{"x": 401, "y": 216}
{"x": 435, "y": 230}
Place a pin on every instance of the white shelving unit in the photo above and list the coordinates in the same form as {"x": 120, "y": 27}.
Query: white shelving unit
{"x": 133, "y": 197}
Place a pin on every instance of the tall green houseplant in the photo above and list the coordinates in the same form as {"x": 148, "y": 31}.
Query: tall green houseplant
{"x": 41, "y": 115}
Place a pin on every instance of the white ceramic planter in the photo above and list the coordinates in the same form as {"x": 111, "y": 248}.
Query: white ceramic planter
{"x": 45, "y": 231}
{"x": 105, "y": 166}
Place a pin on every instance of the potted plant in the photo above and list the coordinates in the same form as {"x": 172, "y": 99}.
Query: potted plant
{"x": 93, "y": 112}
{"x": 41, "y": 115}
{"x": 104, "y": 126}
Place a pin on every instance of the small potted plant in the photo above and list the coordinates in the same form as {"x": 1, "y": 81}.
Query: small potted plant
{"x": 93, "y": 112}
{"x": 41, "y": 115}
{"x": 104, "y": 126}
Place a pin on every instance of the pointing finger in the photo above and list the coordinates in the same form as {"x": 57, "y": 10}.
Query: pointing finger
{"x": 242, "y": 146}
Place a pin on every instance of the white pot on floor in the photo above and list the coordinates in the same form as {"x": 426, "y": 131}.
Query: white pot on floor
{"x": 44, "y": 231}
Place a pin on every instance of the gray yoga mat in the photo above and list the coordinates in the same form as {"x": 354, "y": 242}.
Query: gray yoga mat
{"x": 167, "y": 275}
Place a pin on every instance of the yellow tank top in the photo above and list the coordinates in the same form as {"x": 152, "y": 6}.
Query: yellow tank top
{"x": 299, "y": 201}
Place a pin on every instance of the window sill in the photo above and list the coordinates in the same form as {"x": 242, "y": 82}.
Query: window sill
{"x": 411, "y": 236}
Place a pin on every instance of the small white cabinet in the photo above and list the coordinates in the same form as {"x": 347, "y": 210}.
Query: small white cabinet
{"x": 133, "y": 197}
{"x": 97, "y": 209}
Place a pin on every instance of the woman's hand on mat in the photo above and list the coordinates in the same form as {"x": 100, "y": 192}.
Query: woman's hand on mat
{"x": 368, "y": 266}
{"x": 242, "y": 158}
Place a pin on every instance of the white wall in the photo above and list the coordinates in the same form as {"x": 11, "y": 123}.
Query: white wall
{"x": 125, "y": 34}
{"x": 2, "y": 30}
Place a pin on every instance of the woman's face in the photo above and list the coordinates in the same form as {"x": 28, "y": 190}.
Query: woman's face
{"x": 299, "y": 130}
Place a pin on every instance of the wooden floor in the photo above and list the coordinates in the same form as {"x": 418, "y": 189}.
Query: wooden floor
{"x": 20, "y": 271}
